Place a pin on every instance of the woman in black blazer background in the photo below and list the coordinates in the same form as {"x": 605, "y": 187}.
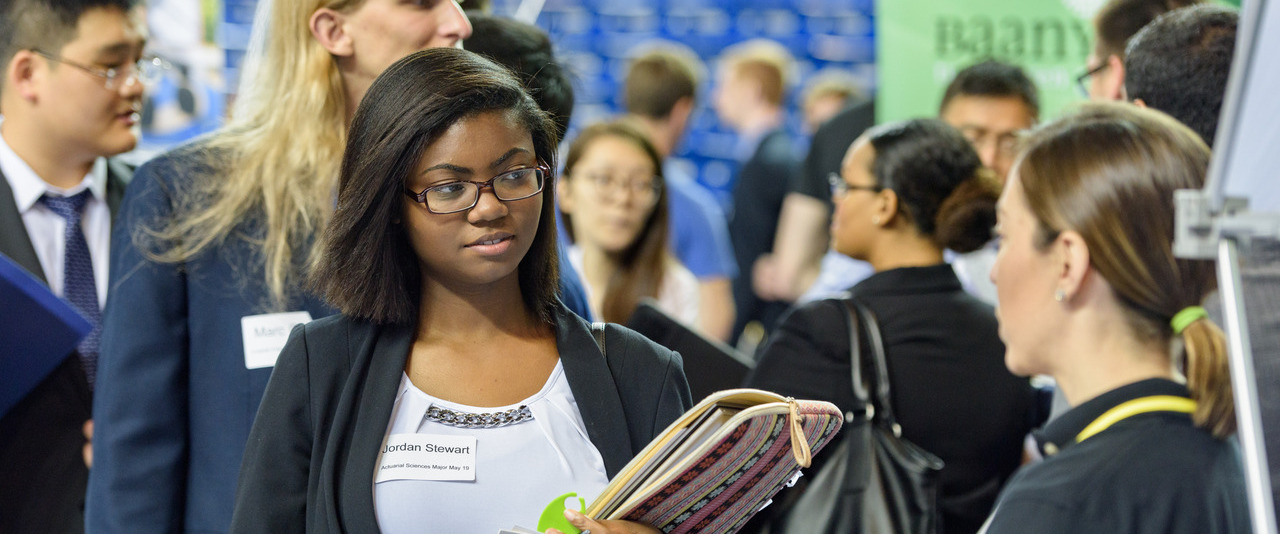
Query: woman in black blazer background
{"x": 906, "y": 192}
{"x": 441, "y": 257}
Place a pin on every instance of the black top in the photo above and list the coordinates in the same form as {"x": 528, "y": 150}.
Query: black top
{"x": 757, "y": 202}
{"x": 950, "y": 389}
{"x": 311, "y": 457}
{"x": 830, "y": 143}
{"x": 1149, "y": 473}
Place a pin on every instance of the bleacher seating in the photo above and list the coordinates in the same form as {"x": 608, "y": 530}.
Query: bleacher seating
{"x": 595, "y": 37}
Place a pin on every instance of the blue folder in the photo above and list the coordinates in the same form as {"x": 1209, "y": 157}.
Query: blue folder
{"x": 38, "y": 331}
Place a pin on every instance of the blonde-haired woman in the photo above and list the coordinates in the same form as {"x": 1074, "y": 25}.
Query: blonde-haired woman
{"x": 1091, "y": 293}
{"x": 213, "y": 242}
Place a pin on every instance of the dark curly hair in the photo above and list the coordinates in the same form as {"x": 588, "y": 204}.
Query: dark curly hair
{"x": 993, "y": 78}
{"x": 1179, "y": 64}
{"x": 942, "y": 187}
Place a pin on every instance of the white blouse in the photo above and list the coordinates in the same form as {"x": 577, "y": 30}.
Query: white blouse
{"x": 519, "y": 468}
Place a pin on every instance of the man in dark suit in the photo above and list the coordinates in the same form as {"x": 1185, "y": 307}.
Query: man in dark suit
{"x": 70, "y": 96}
{"x": 750, "y": 96}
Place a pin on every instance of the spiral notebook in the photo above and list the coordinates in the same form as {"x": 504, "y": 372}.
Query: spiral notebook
{"x": 720, "y": 463}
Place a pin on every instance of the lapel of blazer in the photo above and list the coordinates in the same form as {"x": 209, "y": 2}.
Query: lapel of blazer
{"x": 368, "y": 399}
{"x": 118, "y": 176}
{"x": 381, "y": 351}
{"x": 14, "y": 240}
{"x": 594, "y": 389}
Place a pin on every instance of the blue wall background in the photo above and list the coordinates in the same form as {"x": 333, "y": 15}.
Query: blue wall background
{"x": 594, "y": 37}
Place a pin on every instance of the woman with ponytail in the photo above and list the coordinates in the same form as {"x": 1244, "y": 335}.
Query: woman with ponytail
{"x": 906, "y": 192}
{"x": 1091, "y": 293}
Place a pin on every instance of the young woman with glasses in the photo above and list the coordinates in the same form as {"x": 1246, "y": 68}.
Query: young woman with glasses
{"x": 454, "y": 392}
{"x": 614, "y": 206}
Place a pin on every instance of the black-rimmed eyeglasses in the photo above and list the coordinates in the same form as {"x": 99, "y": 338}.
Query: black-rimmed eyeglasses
{"x": 840, "y": 188}
{"x": 463, "y": 195}
{"x": 1083, "y": 79}
{"x": 145, "y": 71}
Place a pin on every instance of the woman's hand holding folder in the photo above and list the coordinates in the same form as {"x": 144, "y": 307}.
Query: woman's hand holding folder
{"x": 588, "y": 525}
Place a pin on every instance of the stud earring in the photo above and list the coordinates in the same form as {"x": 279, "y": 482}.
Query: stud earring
{"x": 1059, "y": 295}
{"x": 875, "y": 220}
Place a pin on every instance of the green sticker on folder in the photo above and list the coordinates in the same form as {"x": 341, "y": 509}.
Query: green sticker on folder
{"x": 553, "y": 515}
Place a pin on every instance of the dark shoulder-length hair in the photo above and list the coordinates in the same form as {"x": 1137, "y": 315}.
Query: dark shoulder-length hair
{"x": 642, "y": 263}
{"x": 368, "y": 268}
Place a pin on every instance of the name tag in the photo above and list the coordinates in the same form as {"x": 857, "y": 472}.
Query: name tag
{"x": 427, "y": 457}
{"x": 266, "y": 334}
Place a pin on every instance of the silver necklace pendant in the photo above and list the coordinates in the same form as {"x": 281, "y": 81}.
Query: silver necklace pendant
{"x": 458, "y": 419}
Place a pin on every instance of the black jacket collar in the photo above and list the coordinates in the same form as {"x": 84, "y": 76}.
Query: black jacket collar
{"x": 1061, "y": 433}
{"x": 585, "y": 368}
{"x": 909, "y": 280}
{"x": 387, "y": 348}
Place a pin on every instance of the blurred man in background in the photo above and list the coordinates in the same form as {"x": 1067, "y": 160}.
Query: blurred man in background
{"x": 836, "y": 113}
{"x": 1115, "y": 23}
{"x": 73, "y": 84}
{"x": 991, "y": 103}
{"x": 660, "y": 93}
{"x": 1179, "y": 64}
{"x": 750, "y": 99}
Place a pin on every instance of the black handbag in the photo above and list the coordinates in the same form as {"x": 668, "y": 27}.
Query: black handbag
{"x": 876, "y": 482}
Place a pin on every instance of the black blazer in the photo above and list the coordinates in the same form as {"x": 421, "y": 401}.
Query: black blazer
{"x": 312, "y": 453}
{"x": 948, "y": 384}
{"x": 42, "y": 472}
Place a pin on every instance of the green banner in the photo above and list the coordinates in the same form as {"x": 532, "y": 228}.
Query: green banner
{"x": 921, "y": 44}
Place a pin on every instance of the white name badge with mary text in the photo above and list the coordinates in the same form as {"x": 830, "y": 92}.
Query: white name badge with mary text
{"x": 266, "y": 334}
{"x": 427, "y": 457}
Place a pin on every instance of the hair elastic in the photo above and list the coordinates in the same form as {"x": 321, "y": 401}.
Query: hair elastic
{"x": 1184, "y": 318}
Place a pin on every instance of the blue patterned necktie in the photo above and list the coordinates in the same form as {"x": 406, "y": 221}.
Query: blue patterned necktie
{"x": 78, "y": 286}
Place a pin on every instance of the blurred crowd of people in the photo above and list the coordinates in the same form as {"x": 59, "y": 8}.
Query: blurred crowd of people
{"x": 385, "y": 230}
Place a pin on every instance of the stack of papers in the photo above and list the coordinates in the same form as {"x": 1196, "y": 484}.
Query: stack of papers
{"x": 720, "y": 463}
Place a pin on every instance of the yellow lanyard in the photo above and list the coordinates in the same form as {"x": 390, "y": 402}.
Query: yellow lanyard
{"x": 1154, "y": 403}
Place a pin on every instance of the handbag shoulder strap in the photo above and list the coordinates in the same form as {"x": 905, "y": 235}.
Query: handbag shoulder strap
{"x": 859, "y": 382}
{"x": 877, "y": 363}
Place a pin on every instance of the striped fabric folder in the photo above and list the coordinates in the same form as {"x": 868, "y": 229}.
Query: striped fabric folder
{"x": 720, "y": 463}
